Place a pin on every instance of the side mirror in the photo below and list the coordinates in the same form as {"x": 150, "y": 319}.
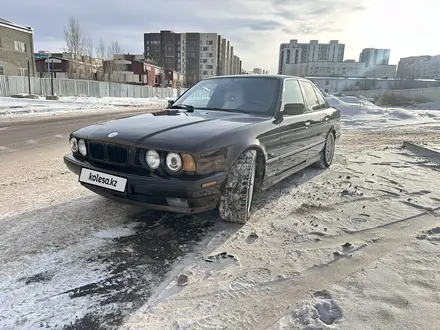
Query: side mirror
{"x": 293, "y": 109}
{"x": 170, "y": 103}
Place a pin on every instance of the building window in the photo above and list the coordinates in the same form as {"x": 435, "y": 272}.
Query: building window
{"x": 22, "y": 72}
{"x": 327, "y": 82}
{"x": 2, "y": 71}
{"x": 20, "y": 46}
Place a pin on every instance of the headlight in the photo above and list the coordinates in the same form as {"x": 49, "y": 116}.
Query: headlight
{"x": 152, "y": 159}
{"x": 82, "y": 147}
{"x": 174, "y": 162}
{"x": 74, "y": 144}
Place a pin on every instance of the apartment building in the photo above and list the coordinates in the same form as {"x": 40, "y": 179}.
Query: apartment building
{"x": 419, "y": 67}
{"x": 374, "y": 56}
{"x": 195, "y": 55}
{"x": 348, "y": 68}
{"x": 294, "y": 52}
{"x": 16, "y": 49}
{"x": 208, "y": 55}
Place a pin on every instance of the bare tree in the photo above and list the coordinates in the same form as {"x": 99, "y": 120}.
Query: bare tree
{"x": 75, "y": 42}
{"x": 101, "y": 50}
{"x": 114, "y": 64}
{"x": 89, "y": 49}
{"x": 114, "y": 49}
{"x": 101, "y": 53}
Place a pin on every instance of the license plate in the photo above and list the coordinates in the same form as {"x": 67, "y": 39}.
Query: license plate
{"x": 104, "y": 180}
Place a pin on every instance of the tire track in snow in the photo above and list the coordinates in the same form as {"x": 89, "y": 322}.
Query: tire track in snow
{"x": 261, "y": 305}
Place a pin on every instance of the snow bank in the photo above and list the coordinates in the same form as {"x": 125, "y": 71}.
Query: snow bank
{"x": 358, "y": 112}
{"x": 20, "y": 106}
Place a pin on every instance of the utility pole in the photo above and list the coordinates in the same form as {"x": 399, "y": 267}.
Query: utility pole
{"x": 51, "y": 78}
{"x": 29, "y": 76}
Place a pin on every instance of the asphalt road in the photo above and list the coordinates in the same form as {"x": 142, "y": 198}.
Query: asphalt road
{"x": 79, "y": 260}
{"x": 16, "y": 135}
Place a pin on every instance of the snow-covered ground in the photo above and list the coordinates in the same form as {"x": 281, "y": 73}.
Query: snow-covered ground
{"x": 21, "y": 106}
{"x": 359, "y": 113}
{"x": 352, "y": 247}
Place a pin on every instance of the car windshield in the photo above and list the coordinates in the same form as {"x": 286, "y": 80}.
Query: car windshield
{"x": 251, "y": 95}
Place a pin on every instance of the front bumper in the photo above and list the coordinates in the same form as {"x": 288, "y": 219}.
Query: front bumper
{"x": 155, "y": 192}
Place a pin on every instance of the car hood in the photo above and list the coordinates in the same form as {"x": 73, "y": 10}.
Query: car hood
{"x": 169, "y": 129}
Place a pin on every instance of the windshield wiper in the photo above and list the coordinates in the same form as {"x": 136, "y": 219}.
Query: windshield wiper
{"x": 228, "y": 110}
{"x": 188, "y": 108}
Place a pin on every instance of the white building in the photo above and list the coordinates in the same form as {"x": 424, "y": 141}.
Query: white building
{"x": 294, "y": 53}
{"x": 341, "y": 84}
{"x": 208, "y": 54}
{"x": 419, "y": 67}
{"x": 348, "y": 68}
{"x": 374, "y": 56}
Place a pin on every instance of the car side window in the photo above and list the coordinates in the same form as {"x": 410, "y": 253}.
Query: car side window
{"x": 310, "y": 95}
{"x": 292, "y": 93}
{"x": 322, "y": 103}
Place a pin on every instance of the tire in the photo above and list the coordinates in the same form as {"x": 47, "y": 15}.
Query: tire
{"x": 236, "y": 198}
{"x": 328, "y": 152}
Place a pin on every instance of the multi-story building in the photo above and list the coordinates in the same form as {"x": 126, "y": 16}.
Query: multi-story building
{"x": 16, "y": 49}
{"x": 327, "y": 60}
{"x": 419, "y": 67}
{"x": 195, "y": 55}
{"x": 294, "y": 52}
{"x": 348, "y": 68}
{"x": 208, "y": 54}
{"x": 374, "y": 56}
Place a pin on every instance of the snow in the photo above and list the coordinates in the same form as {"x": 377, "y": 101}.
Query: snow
{"x": 21, "y": 106}
{"x": 359, "y": 113}
{"x": 329, "y": 249}
{"x": 355, "y": 246}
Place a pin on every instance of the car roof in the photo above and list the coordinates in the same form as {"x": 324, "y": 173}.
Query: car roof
{"x": 273, "y": 76}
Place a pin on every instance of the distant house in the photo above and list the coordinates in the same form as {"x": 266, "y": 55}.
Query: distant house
{"x": 16, "y": 49}
{"x": 58, "y": 65}
{"x": 66, "y": 66}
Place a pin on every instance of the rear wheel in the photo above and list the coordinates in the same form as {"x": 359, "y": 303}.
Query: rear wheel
{"x": 236, "y": 198}
{"x": 328, "y": 152}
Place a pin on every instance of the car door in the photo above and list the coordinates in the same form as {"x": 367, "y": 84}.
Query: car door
{"x": 295, "y": 134}
{"x": 317, "y": 116}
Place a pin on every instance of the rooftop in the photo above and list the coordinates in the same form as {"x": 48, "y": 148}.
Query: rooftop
{"x": 9, "y": 24}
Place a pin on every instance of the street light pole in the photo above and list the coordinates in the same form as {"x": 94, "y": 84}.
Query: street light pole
{"x": 29, "y": 76}
{"x": 51, "y": 78}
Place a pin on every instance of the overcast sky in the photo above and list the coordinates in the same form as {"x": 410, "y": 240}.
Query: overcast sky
{"x": 255, "y": 27}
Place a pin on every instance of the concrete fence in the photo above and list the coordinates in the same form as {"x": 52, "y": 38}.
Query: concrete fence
{"x": 10, "y": 85}
{"x": 431, "y": 94}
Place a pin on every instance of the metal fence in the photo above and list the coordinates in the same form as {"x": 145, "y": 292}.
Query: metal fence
{"x": 10, "y": 85}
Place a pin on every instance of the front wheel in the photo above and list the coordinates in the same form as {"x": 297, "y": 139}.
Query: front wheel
{"x": 328, "y": 152}
{"x": 236, "y": 198}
